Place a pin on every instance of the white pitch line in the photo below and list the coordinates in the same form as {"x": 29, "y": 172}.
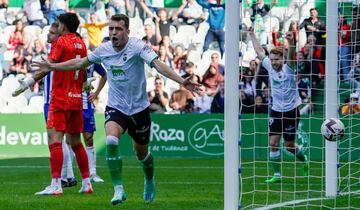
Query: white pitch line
{"x": 170, "y": 183}
{"x": 279, "y": 205}
{"x": 161, "y": 167}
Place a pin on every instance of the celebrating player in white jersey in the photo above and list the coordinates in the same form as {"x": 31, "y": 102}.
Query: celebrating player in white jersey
{"x": 127, "y": 107}
{"x": 284, "y": 114}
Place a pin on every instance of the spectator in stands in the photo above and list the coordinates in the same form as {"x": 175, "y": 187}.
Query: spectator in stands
{"x": 345, "y": 48}
{"x": 260, "y": 106}
{"x": 355, "y": 28}
{"x": 355, "y": 74}
{"x": 57, "y": 7}
{"x": 37, "y": 50}
{"x": 260, "y": 8}
{"x": 3, "y": 10}
{"x": 314, "y": 26}
{"x": 258, "y": 11}
{"x": 313, "y": 53}
{"x": 166, "y": 41}
{"x": 16, "y": 37}
{"x": 118, "y": 7}
{"x": 179, "y": 60}
{"x": 150, "y": 37}
{"x": 303, "y": 66}
{"x": 353, "y": 106}
{"x": 158, "y": 98}
{"x": 212, "y": 79}
{"x": 215, "y": 61}
{"x": 19, "y": 64}
{"x": 151, "y": 7}
{"x": 34, "y": 15}
{"x": 249, "y": 87}
{"x": 217, "y": 105}
{"x": 203, "y": 102}
{"x": 189, "y": 70}
{"x": 189, "y": 13}
{"x": 94, "y": 29}
{"x": 164, "y": 55}
{"x": 163, "y": 23}
{"x": 179, "y": 98}
{"x": 216, "y": 21}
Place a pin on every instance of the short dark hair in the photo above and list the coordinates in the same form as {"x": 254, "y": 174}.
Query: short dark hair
{"x": 55, "y": 24}
{"x": 314, "y": 9}
{"x": 119, "y": 17}
{"x": 70, "y": 20}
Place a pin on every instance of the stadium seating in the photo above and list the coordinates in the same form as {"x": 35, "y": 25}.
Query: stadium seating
{"x": 18, "y": 102}
{"x": 184, "y": 35}
{"x": 36, "y": 102}
{"x": 9, "y": 109}
{"x": 32, "y": 31}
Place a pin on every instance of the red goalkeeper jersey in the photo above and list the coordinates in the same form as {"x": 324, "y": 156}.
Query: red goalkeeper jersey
{"x": 66, "y": 93}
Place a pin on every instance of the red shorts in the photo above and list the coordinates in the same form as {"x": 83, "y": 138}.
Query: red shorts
{"x": 67, "y": 121}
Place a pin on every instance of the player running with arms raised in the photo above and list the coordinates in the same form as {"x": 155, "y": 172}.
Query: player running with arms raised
{"x": 127, "y": 107}
{"x": 284, "y": 114}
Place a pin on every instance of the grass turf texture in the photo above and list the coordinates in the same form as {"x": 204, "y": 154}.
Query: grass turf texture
{"x": 182, "y": 183}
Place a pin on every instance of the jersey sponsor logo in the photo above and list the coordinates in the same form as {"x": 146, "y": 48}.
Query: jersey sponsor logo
{"x": 124, "y": 57}
{"x": 74, "y": 95}
{"x": 207, "y": 136}
{"x": 118, "y": 74}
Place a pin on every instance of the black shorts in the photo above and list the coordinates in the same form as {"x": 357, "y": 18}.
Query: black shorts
{"x": 138, "y": 124}
{"x": 284, "y": 123}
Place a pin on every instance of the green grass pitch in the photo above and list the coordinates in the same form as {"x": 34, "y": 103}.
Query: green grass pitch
{"x": 182, "y": 183}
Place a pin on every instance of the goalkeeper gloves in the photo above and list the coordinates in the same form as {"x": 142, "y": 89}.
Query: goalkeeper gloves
{"x": 87, "y": 86}
{"x": 24, "y": 85}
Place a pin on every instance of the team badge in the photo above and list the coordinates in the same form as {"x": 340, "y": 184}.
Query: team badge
{"x": 125, "y": 57}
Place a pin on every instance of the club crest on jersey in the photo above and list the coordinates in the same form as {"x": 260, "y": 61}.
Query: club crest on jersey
{"x": 125, "y": 57}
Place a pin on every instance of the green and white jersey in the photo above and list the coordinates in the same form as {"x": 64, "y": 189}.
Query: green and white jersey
{"x": 125, "y": 73}
{"x": 284, "y": 90}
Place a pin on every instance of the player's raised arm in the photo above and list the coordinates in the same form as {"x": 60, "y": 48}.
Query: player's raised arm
{"x": 169, "y": 73}
{"x": 76, "y": 63}
{"x": 257, "y": 47}
{"x": 292, "y": 50}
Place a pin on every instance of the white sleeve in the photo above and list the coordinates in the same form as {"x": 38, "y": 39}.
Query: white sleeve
{"x": 266, "y": 63}
{"x": 95, "y": 57}
{"x": 146, "y": 52}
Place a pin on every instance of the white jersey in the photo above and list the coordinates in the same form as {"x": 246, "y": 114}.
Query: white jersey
{"x": 284, "y": 91}
{"x": 125, "y": 73}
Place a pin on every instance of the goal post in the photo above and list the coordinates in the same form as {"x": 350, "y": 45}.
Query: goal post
{"x": 331, "y": 99}
{"x": 231, "y": 121}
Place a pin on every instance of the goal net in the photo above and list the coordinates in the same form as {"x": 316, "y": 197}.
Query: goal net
{"x": 296, "y": 189}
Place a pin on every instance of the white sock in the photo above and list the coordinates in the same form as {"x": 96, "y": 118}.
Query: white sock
{"x": 118, "y": 188}
{"x": 56, "y": 182}
{"x": 66, "y": 155}
{"x": 70, "y": 171}
{"x": 85, "y": 181}
{"x": 90, "y": 151}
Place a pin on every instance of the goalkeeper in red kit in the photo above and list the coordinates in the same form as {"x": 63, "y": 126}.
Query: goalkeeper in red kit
{"x": 65, "y": 111}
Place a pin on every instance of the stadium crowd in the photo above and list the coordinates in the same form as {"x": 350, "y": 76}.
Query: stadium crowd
{"x": 190, "y": 40}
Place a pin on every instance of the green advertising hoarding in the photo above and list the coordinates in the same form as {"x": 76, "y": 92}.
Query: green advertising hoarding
{"x": 188, "y": 135}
